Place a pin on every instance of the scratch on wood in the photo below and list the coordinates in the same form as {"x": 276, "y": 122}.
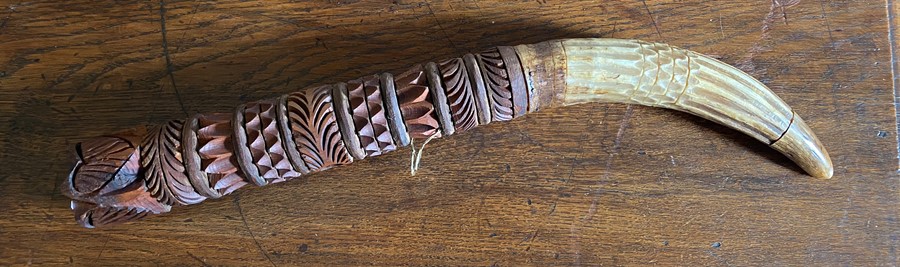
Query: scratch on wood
{"x": 441, "y": 26}
{"x": 721, "y": 26}
{"x": 527, "y": 137}
{"x": 319, "y": 41}
{"x": 783, "y": 13}
{"x": 530, "y": 237}
{"x": 165, "y": 47}
{"x": 746, "y": 64}
{"x": 237, "y": 204}
{"x": 777, "y": 6}
{"x": 203, "y": 263}
{"x": 12, "y": 9}
{"x": 629, "y": 109}
{"x": 655, "y": 26}
{"x": 191, "y": 20}
{"x": 827, "y": 24}
{"x": 575, "y": 230}
{"x": 614, "y": 29}
{"x": 718, "y": 258}
{"x": 102, "y": 249}
{"x": 893, "y": 40}
{"x": 576, "y": 244}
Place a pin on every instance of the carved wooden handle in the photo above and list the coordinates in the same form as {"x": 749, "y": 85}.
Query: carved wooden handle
{"x": 148, "y": 170}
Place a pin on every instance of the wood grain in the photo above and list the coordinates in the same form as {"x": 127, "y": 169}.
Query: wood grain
{"x": 584, "y": 185}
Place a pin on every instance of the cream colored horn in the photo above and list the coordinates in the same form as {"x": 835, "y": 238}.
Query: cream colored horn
{"x": 574, "y": 71}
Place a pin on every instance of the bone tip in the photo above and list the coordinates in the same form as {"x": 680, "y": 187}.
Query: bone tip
{"x": 800, "y": 144}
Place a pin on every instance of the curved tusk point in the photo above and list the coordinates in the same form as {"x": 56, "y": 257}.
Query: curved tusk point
{"x": 800, "y": 144}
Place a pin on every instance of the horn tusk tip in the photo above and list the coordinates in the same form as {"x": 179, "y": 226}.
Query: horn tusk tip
{"x": 800, "y": 145}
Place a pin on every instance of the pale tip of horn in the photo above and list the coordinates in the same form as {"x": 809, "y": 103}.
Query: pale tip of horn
{"x": 800, "y": 145}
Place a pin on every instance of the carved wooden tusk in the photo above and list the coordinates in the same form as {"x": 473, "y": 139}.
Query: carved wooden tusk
{"x": 148, "y": 170}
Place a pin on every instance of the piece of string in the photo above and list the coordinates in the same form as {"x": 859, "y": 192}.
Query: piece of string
{"x": 416, "y": 156}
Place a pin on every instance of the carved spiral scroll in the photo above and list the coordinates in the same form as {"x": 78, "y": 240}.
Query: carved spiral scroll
{"x": 164, "y": 171}
{"x": 315, "y": 130}
{"x": 369, "y": 116}
{"x": 460, "y": 95}
{"x": 415, "y": 103}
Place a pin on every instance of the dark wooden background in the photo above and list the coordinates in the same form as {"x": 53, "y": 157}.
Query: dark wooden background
{"x": 593, "y": 184}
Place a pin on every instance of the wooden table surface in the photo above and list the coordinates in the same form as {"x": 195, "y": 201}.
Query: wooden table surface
{"x": 595, "y": 184}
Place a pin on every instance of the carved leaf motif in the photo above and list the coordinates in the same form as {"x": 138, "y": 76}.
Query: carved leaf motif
{"x": 217, "y": 152}
{"x": 164, "y": 172}
{"x": 496, "y": 79}
{"x": 315, "y": 130}
{"x": 459, "y": 94}
{"x": 265, "y": 144}
{"x": 415, "y": 104}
